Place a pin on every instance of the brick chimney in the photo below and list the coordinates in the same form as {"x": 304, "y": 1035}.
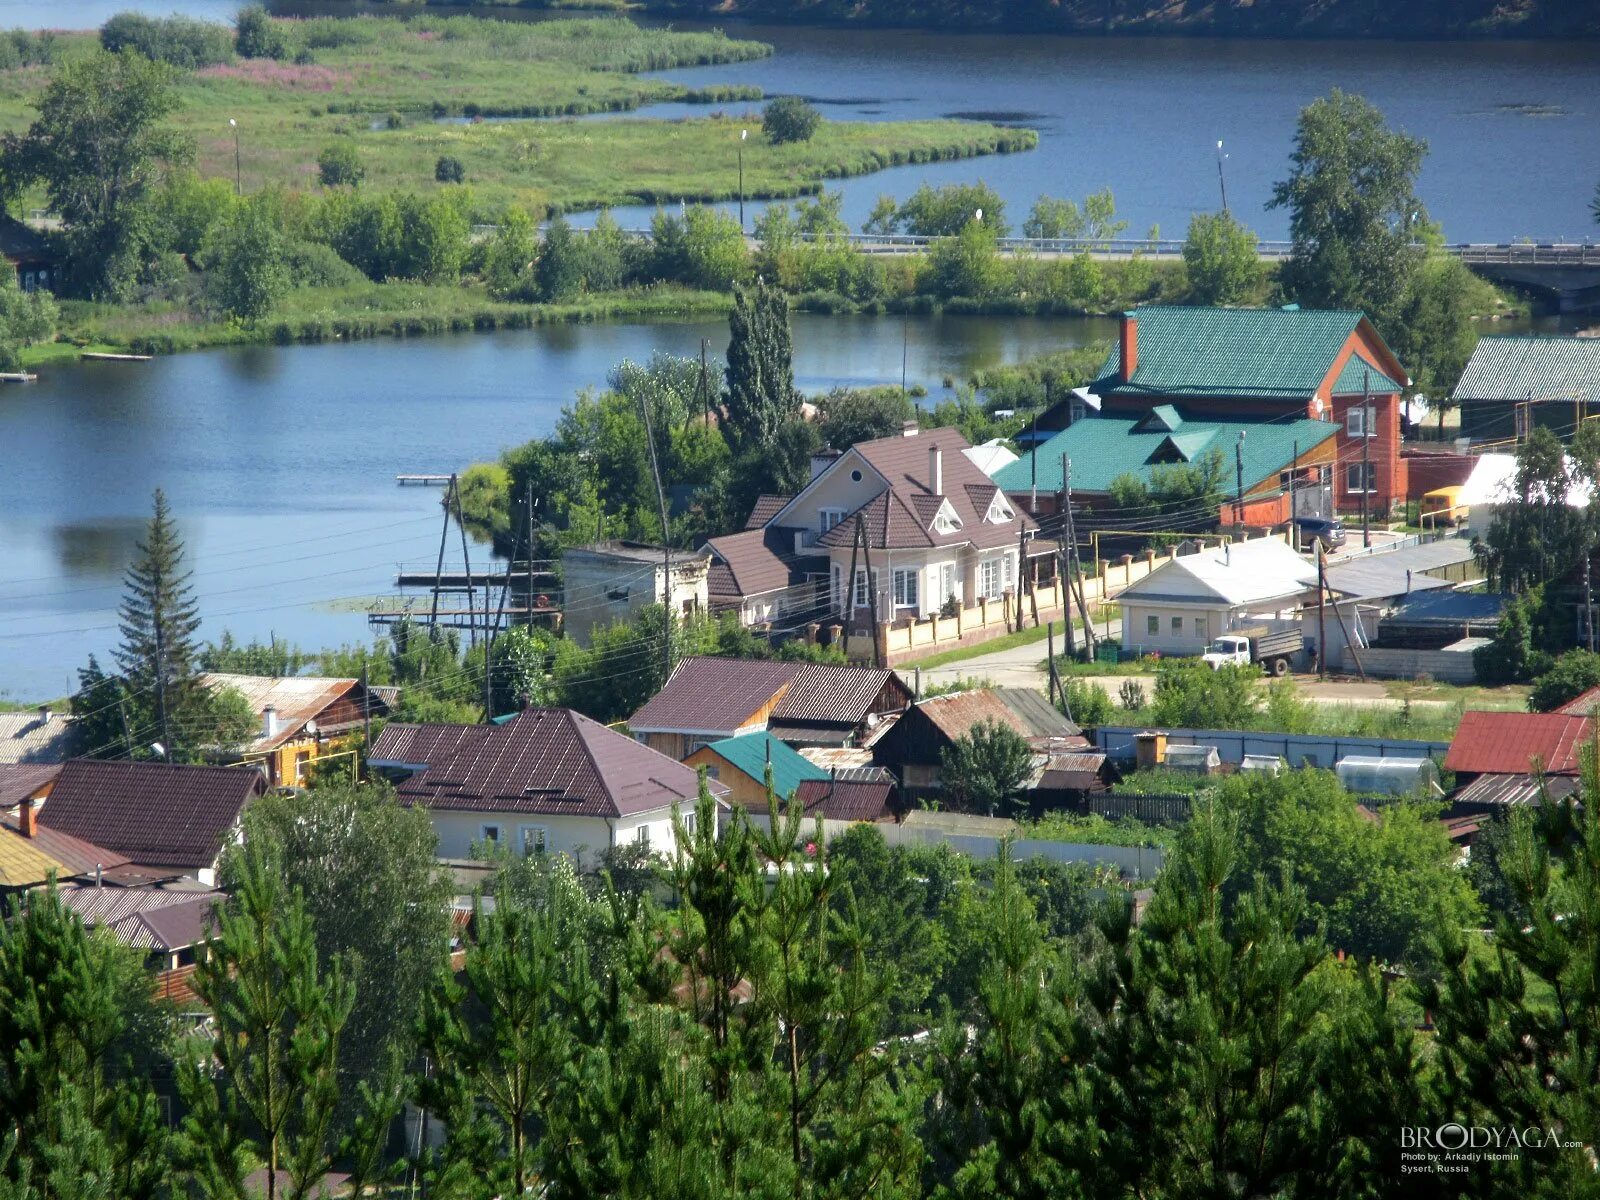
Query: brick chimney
{"x": 936, "y": 470}
{"x": 1129, "y": 347}
{"x": 27, "y": 821}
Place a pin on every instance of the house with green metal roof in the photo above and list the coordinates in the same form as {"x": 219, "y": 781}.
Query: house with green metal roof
{"x": 1281, "y": 365}
{"x": 1513, "y": 382}
{"x": 740, "y": 764}
{"x": 1254, "y": 453}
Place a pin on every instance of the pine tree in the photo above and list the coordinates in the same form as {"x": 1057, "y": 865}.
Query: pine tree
{"x": 85, "y": 1125}
{"x": 158, "y": 619}
{"x": 276, "y": 1047}
{"x": 1519, "y": 1029}
{"x": 761, "y": 397}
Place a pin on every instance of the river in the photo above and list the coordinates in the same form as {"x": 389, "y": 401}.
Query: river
{"x": 280, "y": 462}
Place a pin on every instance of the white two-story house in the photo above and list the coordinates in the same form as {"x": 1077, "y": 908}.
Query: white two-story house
{"x": 937, "y": 531}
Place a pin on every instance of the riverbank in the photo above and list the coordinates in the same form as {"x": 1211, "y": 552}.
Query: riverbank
{"x": 1422, "y": 19}
{"x": 406, "y": 93}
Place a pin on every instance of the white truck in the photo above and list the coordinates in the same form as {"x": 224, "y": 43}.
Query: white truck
{"x": 1272, "y": 649}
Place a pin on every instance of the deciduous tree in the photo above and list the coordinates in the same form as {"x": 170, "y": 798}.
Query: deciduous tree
{"x": 761, "y": 395}
{"x": 985, "y": 768}
{"x": 1220, "y": 255}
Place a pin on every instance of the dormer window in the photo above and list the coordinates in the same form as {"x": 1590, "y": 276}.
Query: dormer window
{"x": 945, "y": 520}
{"x": 999, "y": 511}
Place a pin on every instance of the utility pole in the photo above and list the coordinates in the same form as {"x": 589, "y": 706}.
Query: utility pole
{"x": 466, "y": 566}
{"x": 905, "y": 349}
{"x": 1366, "y": 459}
{"x": 666, "y": 546}
{"x": 366, "y": 710}
{"x": 1588, "y": 603}
{"x": 743, "y": 133}
{"x": 704, "y": 385}
{"x": 161, "y": 686}
{"x": 1072, "y": 554}
{"x": 847, "y": 601}
{"x": 1294, "y": 483}
{"x": 1063, "y": 574}
{"x": 1238, "y": 481}
{"x": 1322, "y": 623}
{"x": 527, "y": 603}
{"x": 1221, "y": 178}
{"x": 872, "y": 592}
{"x": 438, "y": 571}
{"x": 122, "y": 711}
{"x": 1033, "y": 470}
{"x": 238, "y": 174}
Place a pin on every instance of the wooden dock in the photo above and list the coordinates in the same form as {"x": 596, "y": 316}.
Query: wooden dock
{"x": 457, "y": 580}
{"x": 17, "y": 377}
{"x": 422, "y": 480}
{"x": 461, "y": 618}
{"x": 99, "y": 356}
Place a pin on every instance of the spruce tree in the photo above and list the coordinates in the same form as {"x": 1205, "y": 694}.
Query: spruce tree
{"x": 277, "y": 1021}
{"x": 761, "y": 397}
{"x": 158, "y": 619}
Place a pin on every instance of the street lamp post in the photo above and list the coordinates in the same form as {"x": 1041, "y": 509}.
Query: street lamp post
{"x": 238, "y": 178}
{"x": 1222, "y": 179}
{"x": 743, "y": 133}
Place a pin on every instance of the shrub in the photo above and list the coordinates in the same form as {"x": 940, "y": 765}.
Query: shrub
{"x": 257, "y": 36}
{"x": 181, "y": 41}
{"x": 1574, "y": 673}
{"x": 312, "y": 264}
{"x": 340, "y": 166}
{"x": 1086, "y": 702}
{"x": 790, "y": 119}
{"x": 449, "y": 170}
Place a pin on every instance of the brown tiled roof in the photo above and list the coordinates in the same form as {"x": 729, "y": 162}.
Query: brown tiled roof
{"x": 719, "y": 695}
{"x": 18, "y": 781}
{"x": 172, "y": 927}
{"x": 903, "y": 516}
{"x": 415, "y": 746}
{"x": 544, "y": 760}
{"x": 157, "y": 813}
{"x": 713, "y": 695}
{"x": 846, "y": 800}
{"x": 748, "y": 564}
{"x": 766, "y": 507}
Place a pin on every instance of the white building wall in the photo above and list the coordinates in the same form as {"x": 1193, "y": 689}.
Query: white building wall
{"x": 583, "y": 839}
{"x": 1183, "y": 629}
{"x": 603, "y": 589}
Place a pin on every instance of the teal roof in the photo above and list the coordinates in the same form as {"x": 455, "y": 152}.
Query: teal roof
{"x": 1360, "y": 372}
{"x": 750, "y": 753}
{"x": 1520, "y": 367}
{"x": 1265, "y": 353}
{"x": 1102, "y": 448}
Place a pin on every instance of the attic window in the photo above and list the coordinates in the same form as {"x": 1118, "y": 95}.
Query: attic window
{"x": 999, "y": 511}
{"x": 945, "y": 520}
{"x": 1161, "y": 419}
{"x": 855, "y": 476}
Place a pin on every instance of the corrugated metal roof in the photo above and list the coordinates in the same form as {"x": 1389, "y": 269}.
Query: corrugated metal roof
{"x": 1359, "y": 373}
{"x": 837, "y": 695}
{"x": 1513, "y": 743}
{"x": 846, "y": 800}
{"x": 752, "y": 753}
{"x": 25, "y": 737}
{"x": 1581, "y": 705}
{"x": 1451, "y": 608}
{"x": 18, "y": 781}
{"x": 1514, "y": 367}
{"x": 1370, "y": 576}
{"x": 1267, "y": 353}
{"x": 1034, "y": 710}
{"x": 76, "y": 856}
{"x": 170, "y": 927}
{"x": 296, "y": 699}
{"x": 710, "y": 695}
{"x": 1503, "y": 791}
{"x": 23, "y": 864}
{"x": 1101, "y": 448}
{"x": 107, "y": 905}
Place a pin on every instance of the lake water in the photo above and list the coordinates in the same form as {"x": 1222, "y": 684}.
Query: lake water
{"x": 1512, "y": 125}
{"x": 280, "y": 463}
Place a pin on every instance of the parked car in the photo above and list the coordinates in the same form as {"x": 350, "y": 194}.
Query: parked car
{"x": 1326, "y": 530}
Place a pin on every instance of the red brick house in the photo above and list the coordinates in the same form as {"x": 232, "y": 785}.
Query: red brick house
{"x": 1275, "y": 363}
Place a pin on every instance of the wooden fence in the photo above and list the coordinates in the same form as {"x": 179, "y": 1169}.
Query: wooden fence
{"x": 1160, "y": 808}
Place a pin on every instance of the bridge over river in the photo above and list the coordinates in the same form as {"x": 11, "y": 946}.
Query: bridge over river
{"x": 1567, "y": 272}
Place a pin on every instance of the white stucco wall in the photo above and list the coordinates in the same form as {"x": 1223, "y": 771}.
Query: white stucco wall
{"x": 583, "y": 839}
{"x": 1198, "y": 625}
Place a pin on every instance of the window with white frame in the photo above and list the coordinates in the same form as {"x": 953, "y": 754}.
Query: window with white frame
{"x": 1010, "y": 572}
{"x": 1200, "y": 628}
{"x": 1177, "y": 626}
{"x": 1360, "y": 477}
{"x": 688, "y": 823}
{"x": 949, "y": 588}
{"x": 1152, "y": 625}
{"x": 641, "y": 836}
{"x": 829, "y": 517}
{"x": 1361, "y": 421}
{"x": 906, "y": 587}
{"x": 533, "y": 841}
{"x": 838, "y": 584}
{"x": 991, "y": 576}
{"x": 862, "y": 598}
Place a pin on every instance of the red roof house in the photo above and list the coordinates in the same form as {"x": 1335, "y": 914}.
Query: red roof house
{"x": 1515, "y": 743}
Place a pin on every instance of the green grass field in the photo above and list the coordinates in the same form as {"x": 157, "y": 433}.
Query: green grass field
{"x": 398, "y": 89}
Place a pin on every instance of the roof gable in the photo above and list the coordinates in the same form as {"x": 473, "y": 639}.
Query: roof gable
{"x": 709, "y": 695}
{"x": 1359, "y": 374}
{"x": 1243, "y": 573}
{"x": 752, "y": 753}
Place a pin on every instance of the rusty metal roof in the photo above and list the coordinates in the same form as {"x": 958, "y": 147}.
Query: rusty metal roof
{"x": 1501, "y": 791}
{"x": 1513, "y": 743}
{"x": 295, "y": 698}
{"x": 1582, "y": 705}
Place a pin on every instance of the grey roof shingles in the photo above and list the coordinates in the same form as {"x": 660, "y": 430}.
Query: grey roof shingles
{"x": 25, "y": 737}
{"x": 544, "y": 760}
